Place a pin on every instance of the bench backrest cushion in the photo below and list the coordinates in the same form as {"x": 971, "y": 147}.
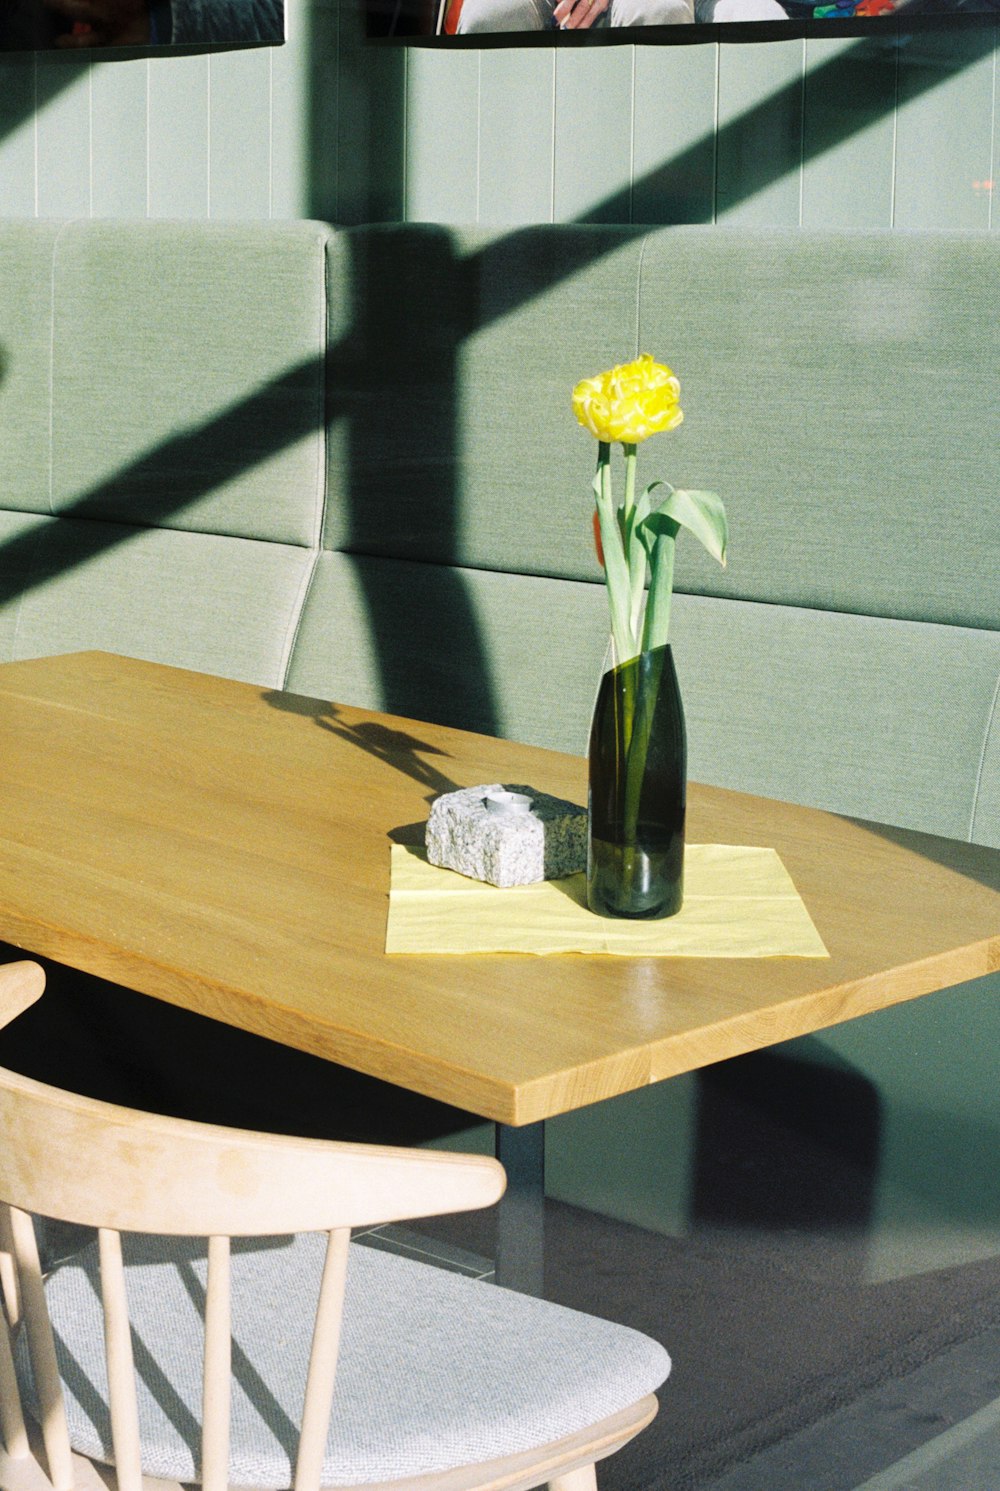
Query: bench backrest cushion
{"x": 345, "y": 463}
{"x": 837, "y": 388}
{"x": 163, "y": 416}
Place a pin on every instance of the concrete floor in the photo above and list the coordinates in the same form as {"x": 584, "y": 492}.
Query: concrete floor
{"x": 911, "y": 1435}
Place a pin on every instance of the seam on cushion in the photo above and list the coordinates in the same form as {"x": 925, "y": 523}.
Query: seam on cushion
{"x": 982, "y": 760}
{"x": 294, "y": 624}
{"x": 322, "y": 352}
{"x": 52, "y": 361}
{"x": 321, "y": 485}
{"x": 638, "y": 292}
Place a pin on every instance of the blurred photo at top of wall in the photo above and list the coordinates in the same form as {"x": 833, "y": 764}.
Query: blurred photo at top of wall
{"x": 33, "y": 25}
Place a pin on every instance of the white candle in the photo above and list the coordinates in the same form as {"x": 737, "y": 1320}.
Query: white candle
{"x": 507, "y": 802}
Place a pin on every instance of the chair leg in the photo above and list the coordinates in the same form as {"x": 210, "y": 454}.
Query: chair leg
{"x": 582, "y": 1479}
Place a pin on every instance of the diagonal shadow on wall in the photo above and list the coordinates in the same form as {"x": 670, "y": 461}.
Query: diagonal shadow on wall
{"x": 435, "y": 306}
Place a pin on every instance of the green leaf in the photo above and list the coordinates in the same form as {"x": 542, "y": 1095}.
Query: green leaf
{"x": 701, "y": 513}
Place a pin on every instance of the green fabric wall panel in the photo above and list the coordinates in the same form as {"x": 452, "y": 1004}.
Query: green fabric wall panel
{"x": 178, "y": 136}
{"x": 188, "y": 376}
{"x": 848, "y": 134}
{"x": 943, "y": 126}
{"x": 516, "y": 134}
{"x": 839, "y": 391}
{"x": 759, "y": 142}
{"x": 17, "y": 135}
{"x": 119, "y": 139}
{"x": 442, "y": 136}
{"x": 368, "y": 125}
{"x": 593, "y": 135}
{"x": 25, "y": 354}
{"x": 673, "y": 153}
{"x": 195, "y": 600}
{"x": 306, "y": 99}
{"x": 290, "y": 94}
{"x": 62, "y": 139}
{"x": 459, "y": 393}
{"x": 235, "y": 130}
{"x": 509, "y": 655}
{"x": 878, "y": 719}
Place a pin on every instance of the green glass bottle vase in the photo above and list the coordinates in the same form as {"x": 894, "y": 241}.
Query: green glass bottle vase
{"x": 638, "y": 782}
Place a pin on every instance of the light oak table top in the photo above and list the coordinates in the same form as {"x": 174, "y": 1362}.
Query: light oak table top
{"x": 227, "y": 849}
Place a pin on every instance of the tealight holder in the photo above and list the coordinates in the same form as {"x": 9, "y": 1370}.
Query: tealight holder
{"x": 507, "y": 835}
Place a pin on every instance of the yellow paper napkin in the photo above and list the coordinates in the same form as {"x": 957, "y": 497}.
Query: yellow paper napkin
{"x": 738, "y": 903}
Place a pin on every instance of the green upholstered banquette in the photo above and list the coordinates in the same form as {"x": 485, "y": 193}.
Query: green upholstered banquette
{"x": 344, "y": 463}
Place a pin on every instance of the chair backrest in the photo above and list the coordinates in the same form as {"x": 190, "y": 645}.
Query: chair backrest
{"x": 115, "y": 1169}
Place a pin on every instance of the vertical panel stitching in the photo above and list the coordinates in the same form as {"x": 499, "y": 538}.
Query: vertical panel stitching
{"x": 982, "y": 759}
{"x": 802, "y": 130}
{"x": 149, "y": 116}
{"x": 295, "y": 616}
{"x": 208, "y": 135}
{"x": 35, "y": 116}
{"x": 638, "y": 292}
{"x": 90, "y": 141}
{"x": 715, "y": 133}
{"x": 323, "y": 354}
{"x": 324, "y": 239}
{"x": 52, "y": 363}
{"x": 895, "y": 134}
{"x": 631, "y": 147}
{"x": 993, "y": 135}
{"x": 555, "y": 131}
{"x": 479, "y": 132}
{"x": 404, "y": 152}
{"x": 552, "y": 142}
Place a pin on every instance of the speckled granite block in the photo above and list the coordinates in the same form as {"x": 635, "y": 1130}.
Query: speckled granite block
{"x": 501, "y": 845}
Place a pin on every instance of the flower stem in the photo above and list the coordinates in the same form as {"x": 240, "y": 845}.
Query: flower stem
{"x": 629, "y": 481}
{"x": 634, "y": 552}
{"x": 615, "y": 564}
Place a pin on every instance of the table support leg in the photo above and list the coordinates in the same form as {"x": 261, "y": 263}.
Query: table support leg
{"x": 520, "y": 1252}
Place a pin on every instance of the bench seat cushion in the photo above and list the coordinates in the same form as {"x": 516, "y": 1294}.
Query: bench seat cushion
{"x": 878, "y": 718}
{"x": 195, "y": 600}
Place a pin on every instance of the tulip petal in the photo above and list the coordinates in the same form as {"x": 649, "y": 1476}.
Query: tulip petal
{"x": 630, "y": 402}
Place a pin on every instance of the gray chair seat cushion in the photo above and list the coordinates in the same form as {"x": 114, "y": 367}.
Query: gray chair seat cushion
{"x": 436, "y": 1370}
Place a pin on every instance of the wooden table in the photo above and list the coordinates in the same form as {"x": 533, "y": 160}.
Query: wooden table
{"x": 226, "y": 849}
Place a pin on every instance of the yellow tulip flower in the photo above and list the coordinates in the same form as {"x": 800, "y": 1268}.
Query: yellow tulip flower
{"x": 630, "y": 402}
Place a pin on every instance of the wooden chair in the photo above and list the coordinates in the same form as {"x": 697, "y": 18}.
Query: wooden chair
{"x": 151, "y": 1360}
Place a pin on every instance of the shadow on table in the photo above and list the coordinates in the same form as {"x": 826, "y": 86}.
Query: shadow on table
{"x": 977, "y": 862}
{"x": 397, "y": 748}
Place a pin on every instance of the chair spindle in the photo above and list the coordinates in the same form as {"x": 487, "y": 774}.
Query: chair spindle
{"x": 584, "y": 1478}
{"x": 121, "y": 1373}
{"x": 41, "y": 1345}
{"x": 322, "y": 1362}
{"x": 8, "y": 1270}
{"x": 12, "y": 1426}
{"x": 217, "y": 1385}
